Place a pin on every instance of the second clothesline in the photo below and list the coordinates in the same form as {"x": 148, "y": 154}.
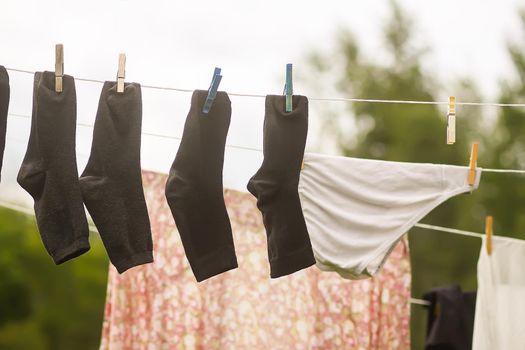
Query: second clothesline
{"x": 248, "y": 148}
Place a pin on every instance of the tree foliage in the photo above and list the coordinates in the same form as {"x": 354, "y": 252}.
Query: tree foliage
{"x": 43, "y": 306}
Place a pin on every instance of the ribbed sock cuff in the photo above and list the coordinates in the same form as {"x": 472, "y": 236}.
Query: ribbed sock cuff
{"x": 122, "y": 265}
{"x": 289, "y": 264}
{"x": 221, "y": 260}
{"x": 77, "y": 248}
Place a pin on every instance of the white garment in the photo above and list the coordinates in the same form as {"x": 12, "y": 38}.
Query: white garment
{"x": 356, "y": 210}
{"x": 500, "y": 303}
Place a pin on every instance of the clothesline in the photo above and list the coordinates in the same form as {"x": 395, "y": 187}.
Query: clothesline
{"x": 419, "y": 302}
{"x": 254, "y": 149}
{"x": 21, "y": 209}
{"x": 329, "y": 99}
{"x": 450, "y": 230}
{"x": 415, "y": 301}
{"x": 25, "y": 210}
{"x": 153, "y": 134}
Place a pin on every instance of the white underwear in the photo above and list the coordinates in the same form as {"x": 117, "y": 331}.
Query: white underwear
{"x": 356, "y": 210}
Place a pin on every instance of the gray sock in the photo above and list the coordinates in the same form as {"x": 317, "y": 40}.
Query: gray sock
{"x": 112, "y": 184}
{"x": 49, "y": 170}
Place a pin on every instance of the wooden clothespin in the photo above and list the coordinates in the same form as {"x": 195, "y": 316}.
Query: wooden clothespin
{"x": 488, "y": 234}
{"x": 121, "y": 73}
{"x": 451, "y": 121}
{"x": 288, "y": 88}
{"x": 212, "y": 90}
{"x": 59, "y": 67}
{"x": 472, "y": 164}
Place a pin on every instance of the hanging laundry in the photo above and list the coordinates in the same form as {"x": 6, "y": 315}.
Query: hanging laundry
{"x": 4, "y": 106}
{"x": 450, "y": 318}
{"x": 500, "y": 305}
{"x": 356, "y": 210}
{"x": 111, "y": 183}
{"x": 275, "y": 185}
{"x": 161, "y": 306}
{"x": 49, "y": 169}
{"x": 194, "y": 188}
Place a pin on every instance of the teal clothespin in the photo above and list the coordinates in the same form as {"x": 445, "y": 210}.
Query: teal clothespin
{"x": 212, "y": 91}
{"x": 288, "y": 88}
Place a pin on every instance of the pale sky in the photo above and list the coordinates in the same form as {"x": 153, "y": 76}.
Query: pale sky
{"x": 178, "y": 43}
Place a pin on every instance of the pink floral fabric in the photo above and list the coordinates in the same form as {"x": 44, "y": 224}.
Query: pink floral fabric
{"x": 161, "y": 306}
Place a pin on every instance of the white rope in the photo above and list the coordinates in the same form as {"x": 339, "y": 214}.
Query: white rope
{"x": 449, "y": 230}
{"x": 419, "y": 302}
{"x": 153, "y": 134}
{"x": 515, "y": 171}
{"x": 254, "y": 149}
{"x": 16, "y": 207}
{"x": 27, "y": 211}
{"x": 469, "y": 233}
{"x": 92, "y": 228}
{"x": 415, "y": 301}
{"x": 336, "y": 99}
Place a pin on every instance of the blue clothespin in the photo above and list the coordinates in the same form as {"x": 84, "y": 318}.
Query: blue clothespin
{"x": 212, "y": 91}
{"x": 288, "y": 88}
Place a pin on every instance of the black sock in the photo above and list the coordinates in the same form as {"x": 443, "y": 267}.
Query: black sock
{"x": 276, "y": 186}
{"x": 194, "y": 188}
{"x": 49, "y": 170}
{"x": 112, "y": 184}
{"x": 4, "y": 105}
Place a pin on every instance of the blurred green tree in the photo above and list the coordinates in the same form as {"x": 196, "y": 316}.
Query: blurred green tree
{"x": 43, "y": 306}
